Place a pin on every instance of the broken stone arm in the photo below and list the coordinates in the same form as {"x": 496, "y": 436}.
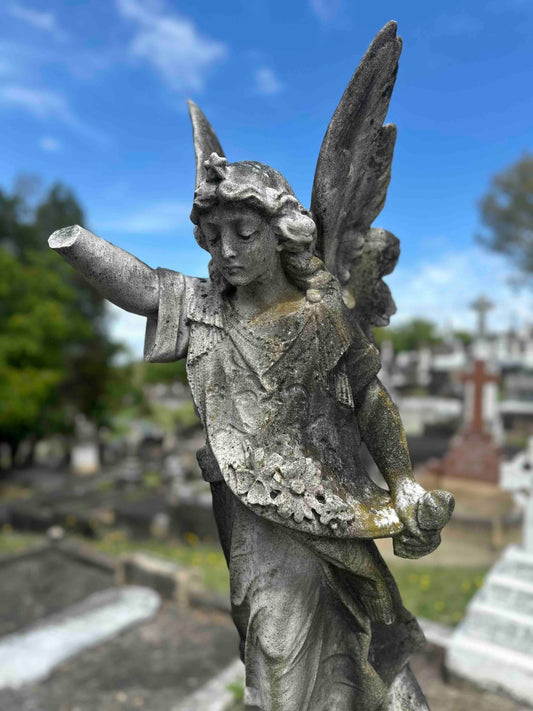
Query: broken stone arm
{"x": 115, "y": 273}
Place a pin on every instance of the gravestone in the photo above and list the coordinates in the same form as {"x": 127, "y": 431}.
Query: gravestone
{"x": 72, "y": 638}
{"x": 517, "y": 477}
{"x": 493, "y": 645}
{"x": 474, "y": 454}
{"x": 85, "y": 457}
{"x": 481, "y": 306}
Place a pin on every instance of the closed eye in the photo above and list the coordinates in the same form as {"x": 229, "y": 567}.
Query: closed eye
{"x": 245, "y": 231}
{"x": 247, "y": 235}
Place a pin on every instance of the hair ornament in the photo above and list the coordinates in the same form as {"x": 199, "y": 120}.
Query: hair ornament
{"x": 216, "y": 167}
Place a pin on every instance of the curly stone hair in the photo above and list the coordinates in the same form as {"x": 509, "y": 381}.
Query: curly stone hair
{"x": 264, "y": 189}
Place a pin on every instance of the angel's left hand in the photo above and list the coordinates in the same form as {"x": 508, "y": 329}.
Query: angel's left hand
{"x": 413, "y": 541}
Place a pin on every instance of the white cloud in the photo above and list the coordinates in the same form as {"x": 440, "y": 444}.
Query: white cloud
{"x": 46, "y": 104}
{"x": 443, "y": 290}
{"x": 157, "y": 218}
{"x": 40, "y": 103}
{"x": 45, "y": 21}
{"x": 50, "y": 144}
{"x": 171, "y": 44}
{"x": 325, "y": 10}
{"x": 267, "y": 82}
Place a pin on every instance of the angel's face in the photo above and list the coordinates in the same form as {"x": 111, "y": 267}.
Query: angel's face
{"x": 242, "y": 244}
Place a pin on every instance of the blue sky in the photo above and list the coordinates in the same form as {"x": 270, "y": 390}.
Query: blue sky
{"x": 93, "y": 93}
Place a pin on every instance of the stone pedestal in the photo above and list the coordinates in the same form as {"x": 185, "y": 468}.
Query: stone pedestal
{"x": 493, "y": 645}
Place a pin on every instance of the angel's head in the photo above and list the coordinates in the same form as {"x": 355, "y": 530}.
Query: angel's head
{"x": 248, "y": 218}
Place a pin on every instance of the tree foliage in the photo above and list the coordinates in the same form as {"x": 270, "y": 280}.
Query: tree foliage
{"x": 507, "y": 214}
{"x": 410, "y": 335}
{"x": 55, "y": 353}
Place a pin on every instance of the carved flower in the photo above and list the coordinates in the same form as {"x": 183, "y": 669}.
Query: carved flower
{"x": 334, "y": 512}
{"x": 293, "y": 486}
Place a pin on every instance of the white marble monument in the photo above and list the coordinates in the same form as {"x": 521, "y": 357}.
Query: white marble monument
{"x": 493, "y": 645}
{"x": 85, "y": 454}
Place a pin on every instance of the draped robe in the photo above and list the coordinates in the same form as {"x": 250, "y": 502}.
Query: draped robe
{"x": 320, "y": 618}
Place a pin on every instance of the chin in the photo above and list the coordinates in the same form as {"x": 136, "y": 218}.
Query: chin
{"x": 238, "y": 279}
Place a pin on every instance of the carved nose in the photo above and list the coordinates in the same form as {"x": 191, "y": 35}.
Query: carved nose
{"x": 227, "y": 247}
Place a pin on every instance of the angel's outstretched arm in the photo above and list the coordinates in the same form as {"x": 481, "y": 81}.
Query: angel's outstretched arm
{"x": 115, "y": 273}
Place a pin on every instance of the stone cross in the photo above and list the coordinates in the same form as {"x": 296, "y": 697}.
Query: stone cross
{"x": 517, "y": 477}
{"x": 479, "y": 377}
{"x": 481, "y": 305}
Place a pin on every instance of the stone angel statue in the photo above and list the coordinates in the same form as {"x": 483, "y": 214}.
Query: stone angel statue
{"x": 283, "y": 372}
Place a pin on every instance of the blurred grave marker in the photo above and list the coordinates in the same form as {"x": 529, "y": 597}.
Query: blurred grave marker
{"x": 493, "y": 645}
{"x": 517, "y": 477}
{"x": 85, "y": 456}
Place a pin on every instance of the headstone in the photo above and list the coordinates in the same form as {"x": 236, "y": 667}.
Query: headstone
{"x": 517, "y": 477}
{"x": 129, "y": 471}
{"x": 481, "y": 306}
{"x": 423, "y": 370}
{"x": 85, "y": 457}
{"x": 174, "y": 468}
{"x": 474, "y": 454}
{"x": 493, "y": 645}
{"x": 480, "y": 400}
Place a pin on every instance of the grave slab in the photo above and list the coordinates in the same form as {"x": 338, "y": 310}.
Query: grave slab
{"x": 31, "y": 655}
{"x": 43, "y": 582}
{"x": 153, "y": 666}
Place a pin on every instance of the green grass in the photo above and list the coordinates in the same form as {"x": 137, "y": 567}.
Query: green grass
{"x": 14, "y": 492}
{"x": 436, "y": 593}
{"x": 191, "y": 552}
{"x": 11, "y": 542}
{"x": 237, "y": 689}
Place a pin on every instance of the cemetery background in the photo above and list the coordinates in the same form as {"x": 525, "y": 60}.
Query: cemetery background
{"x": 102, "y": 445}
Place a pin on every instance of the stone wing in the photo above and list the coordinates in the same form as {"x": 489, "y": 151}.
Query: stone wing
{"x": 351, "y": 181}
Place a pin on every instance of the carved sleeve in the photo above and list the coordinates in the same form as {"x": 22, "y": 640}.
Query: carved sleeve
{"x": 167, "y": 331}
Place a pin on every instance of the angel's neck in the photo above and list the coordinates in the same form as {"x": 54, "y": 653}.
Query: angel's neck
{"x": 252, "y": 298}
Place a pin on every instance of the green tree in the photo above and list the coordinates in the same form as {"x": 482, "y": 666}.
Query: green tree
{"x": 410, "y": 335}
{"x": 506, "y": 212}
{"x": 55, "y": 353}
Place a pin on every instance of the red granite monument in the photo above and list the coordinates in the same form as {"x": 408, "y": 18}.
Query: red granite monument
{"x": 473, "y": 453}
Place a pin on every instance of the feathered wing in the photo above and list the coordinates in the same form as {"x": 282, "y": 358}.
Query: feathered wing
{"x": 205, "y": 141}
{"x": 351, "y": 181}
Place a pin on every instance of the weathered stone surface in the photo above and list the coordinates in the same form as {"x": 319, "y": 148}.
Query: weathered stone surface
{"x": 282, "y": 368}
